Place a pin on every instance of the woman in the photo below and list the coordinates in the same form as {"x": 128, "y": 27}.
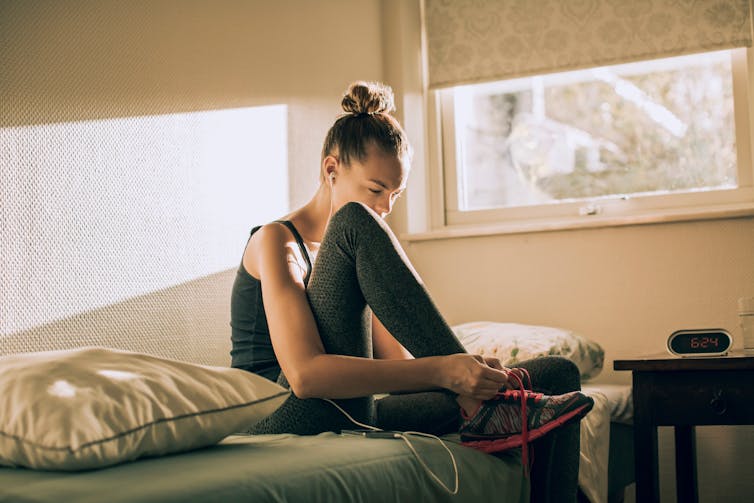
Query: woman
{"x": 359, "y": 321}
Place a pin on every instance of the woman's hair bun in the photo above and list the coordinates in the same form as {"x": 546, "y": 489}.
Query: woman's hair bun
{"x": 367, "y": 123}
{"x": 368, "y": 98}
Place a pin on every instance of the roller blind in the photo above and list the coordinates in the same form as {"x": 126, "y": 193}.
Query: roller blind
{"x": 482, "y": 40}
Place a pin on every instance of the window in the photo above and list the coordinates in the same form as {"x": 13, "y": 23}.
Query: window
{"x": 631, "y": 140}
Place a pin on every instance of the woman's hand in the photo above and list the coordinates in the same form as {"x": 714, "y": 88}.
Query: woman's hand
{"x": 473, "y": 375}
{"x": 510, "y": 373}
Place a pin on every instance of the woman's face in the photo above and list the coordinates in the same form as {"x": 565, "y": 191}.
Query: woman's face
{"x": 376, "y": 182}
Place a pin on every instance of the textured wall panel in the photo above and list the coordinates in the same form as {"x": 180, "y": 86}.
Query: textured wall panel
{"x": 97, "y": 213}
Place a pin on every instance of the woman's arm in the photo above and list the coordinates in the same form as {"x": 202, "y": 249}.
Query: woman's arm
{"x": 313, "y": 373}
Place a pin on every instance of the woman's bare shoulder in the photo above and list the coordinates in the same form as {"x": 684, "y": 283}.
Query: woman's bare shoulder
{"x": 271, "y": 234}
{"x": 269, "y": 248}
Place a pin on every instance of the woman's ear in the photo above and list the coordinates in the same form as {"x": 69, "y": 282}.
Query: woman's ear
{"x": 329, "y": 167}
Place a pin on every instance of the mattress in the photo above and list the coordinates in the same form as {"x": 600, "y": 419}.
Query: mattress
{"x": 284, "y": 468}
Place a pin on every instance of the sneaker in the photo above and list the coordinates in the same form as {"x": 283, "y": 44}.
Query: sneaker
{"x": 515, "y": 417}
{"x": 501, "y": 416}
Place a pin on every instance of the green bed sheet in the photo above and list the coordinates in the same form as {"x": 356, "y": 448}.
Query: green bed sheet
{"x": 283, "y": 468}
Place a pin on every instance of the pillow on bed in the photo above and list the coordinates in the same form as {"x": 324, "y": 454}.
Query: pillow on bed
{"x": 513, "y": 343}
{"x": 93, "y": 407}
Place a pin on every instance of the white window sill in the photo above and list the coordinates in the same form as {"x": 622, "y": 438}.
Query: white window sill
{"x": 740, "y": 210}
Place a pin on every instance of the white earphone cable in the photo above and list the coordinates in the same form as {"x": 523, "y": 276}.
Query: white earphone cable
{"x": 332, "y": 179}
{"x": 404, "y": 436}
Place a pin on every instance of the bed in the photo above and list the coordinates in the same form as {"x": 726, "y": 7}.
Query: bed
{"x": 326, "y": 467}
{"x": 103, "y": 424}
{"x": 279, "y": 468}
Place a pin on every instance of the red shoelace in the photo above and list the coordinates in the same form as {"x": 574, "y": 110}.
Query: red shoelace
{"x": 524, "y": 417}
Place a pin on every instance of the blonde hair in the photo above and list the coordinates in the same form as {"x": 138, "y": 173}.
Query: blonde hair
{"x": 367, "y": 121}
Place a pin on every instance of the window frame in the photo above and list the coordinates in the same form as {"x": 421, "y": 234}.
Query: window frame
{"x": 447, "y": 220}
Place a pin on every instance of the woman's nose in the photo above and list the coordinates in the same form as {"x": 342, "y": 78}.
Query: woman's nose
{"x": 385, "y": 206}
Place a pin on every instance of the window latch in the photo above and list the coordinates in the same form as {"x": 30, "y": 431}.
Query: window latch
{"x": 590, "y": 209}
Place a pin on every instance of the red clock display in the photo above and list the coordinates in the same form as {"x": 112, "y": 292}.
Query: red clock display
{"x": 699, "y": 342}
{"x": 705, "y": 342}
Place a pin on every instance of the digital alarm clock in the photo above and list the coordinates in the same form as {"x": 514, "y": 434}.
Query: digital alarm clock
{"x": 702, "y": 342}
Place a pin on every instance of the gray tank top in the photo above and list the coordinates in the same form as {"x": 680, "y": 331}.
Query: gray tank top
{"x": 250, "y": 335}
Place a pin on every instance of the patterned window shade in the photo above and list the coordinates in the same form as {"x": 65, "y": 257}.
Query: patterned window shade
{"x": 481, "y": 40}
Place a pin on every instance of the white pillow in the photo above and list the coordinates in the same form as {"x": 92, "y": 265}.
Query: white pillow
{"x": 512, "y": 343}
{"x": 93, "y": 407}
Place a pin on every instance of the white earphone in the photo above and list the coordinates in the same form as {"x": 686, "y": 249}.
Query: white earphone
{"x": 332, "y": 179}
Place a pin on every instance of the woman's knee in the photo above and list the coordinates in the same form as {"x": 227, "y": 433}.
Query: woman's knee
{"x": 357, "y": 219}
{"x": 553, "y": 375}
{"x": 353, "y": 213}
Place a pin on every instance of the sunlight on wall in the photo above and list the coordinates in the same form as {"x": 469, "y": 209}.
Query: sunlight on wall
{"x": 96, "y": 212}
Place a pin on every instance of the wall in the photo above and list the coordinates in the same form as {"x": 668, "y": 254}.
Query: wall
{"x": 71, "y": 67}
{"x": 626, "y": 287}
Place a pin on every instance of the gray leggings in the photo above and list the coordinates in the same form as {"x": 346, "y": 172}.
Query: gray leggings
{"x": 361, "y": 265}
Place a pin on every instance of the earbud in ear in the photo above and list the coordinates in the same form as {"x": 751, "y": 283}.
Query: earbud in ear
{"x": 332, "y": 178}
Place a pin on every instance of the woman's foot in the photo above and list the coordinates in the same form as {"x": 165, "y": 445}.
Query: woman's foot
{"x": 505, "y": 414}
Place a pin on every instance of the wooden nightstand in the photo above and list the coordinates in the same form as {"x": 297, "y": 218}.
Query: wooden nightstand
{"x": 684, "y": 392}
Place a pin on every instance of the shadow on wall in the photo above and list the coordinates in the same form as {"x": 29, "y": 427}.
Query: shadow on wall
{"x": 188, "y": 322}
{"x": 80, "y": 60}
{"x": 70, "y": 61}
